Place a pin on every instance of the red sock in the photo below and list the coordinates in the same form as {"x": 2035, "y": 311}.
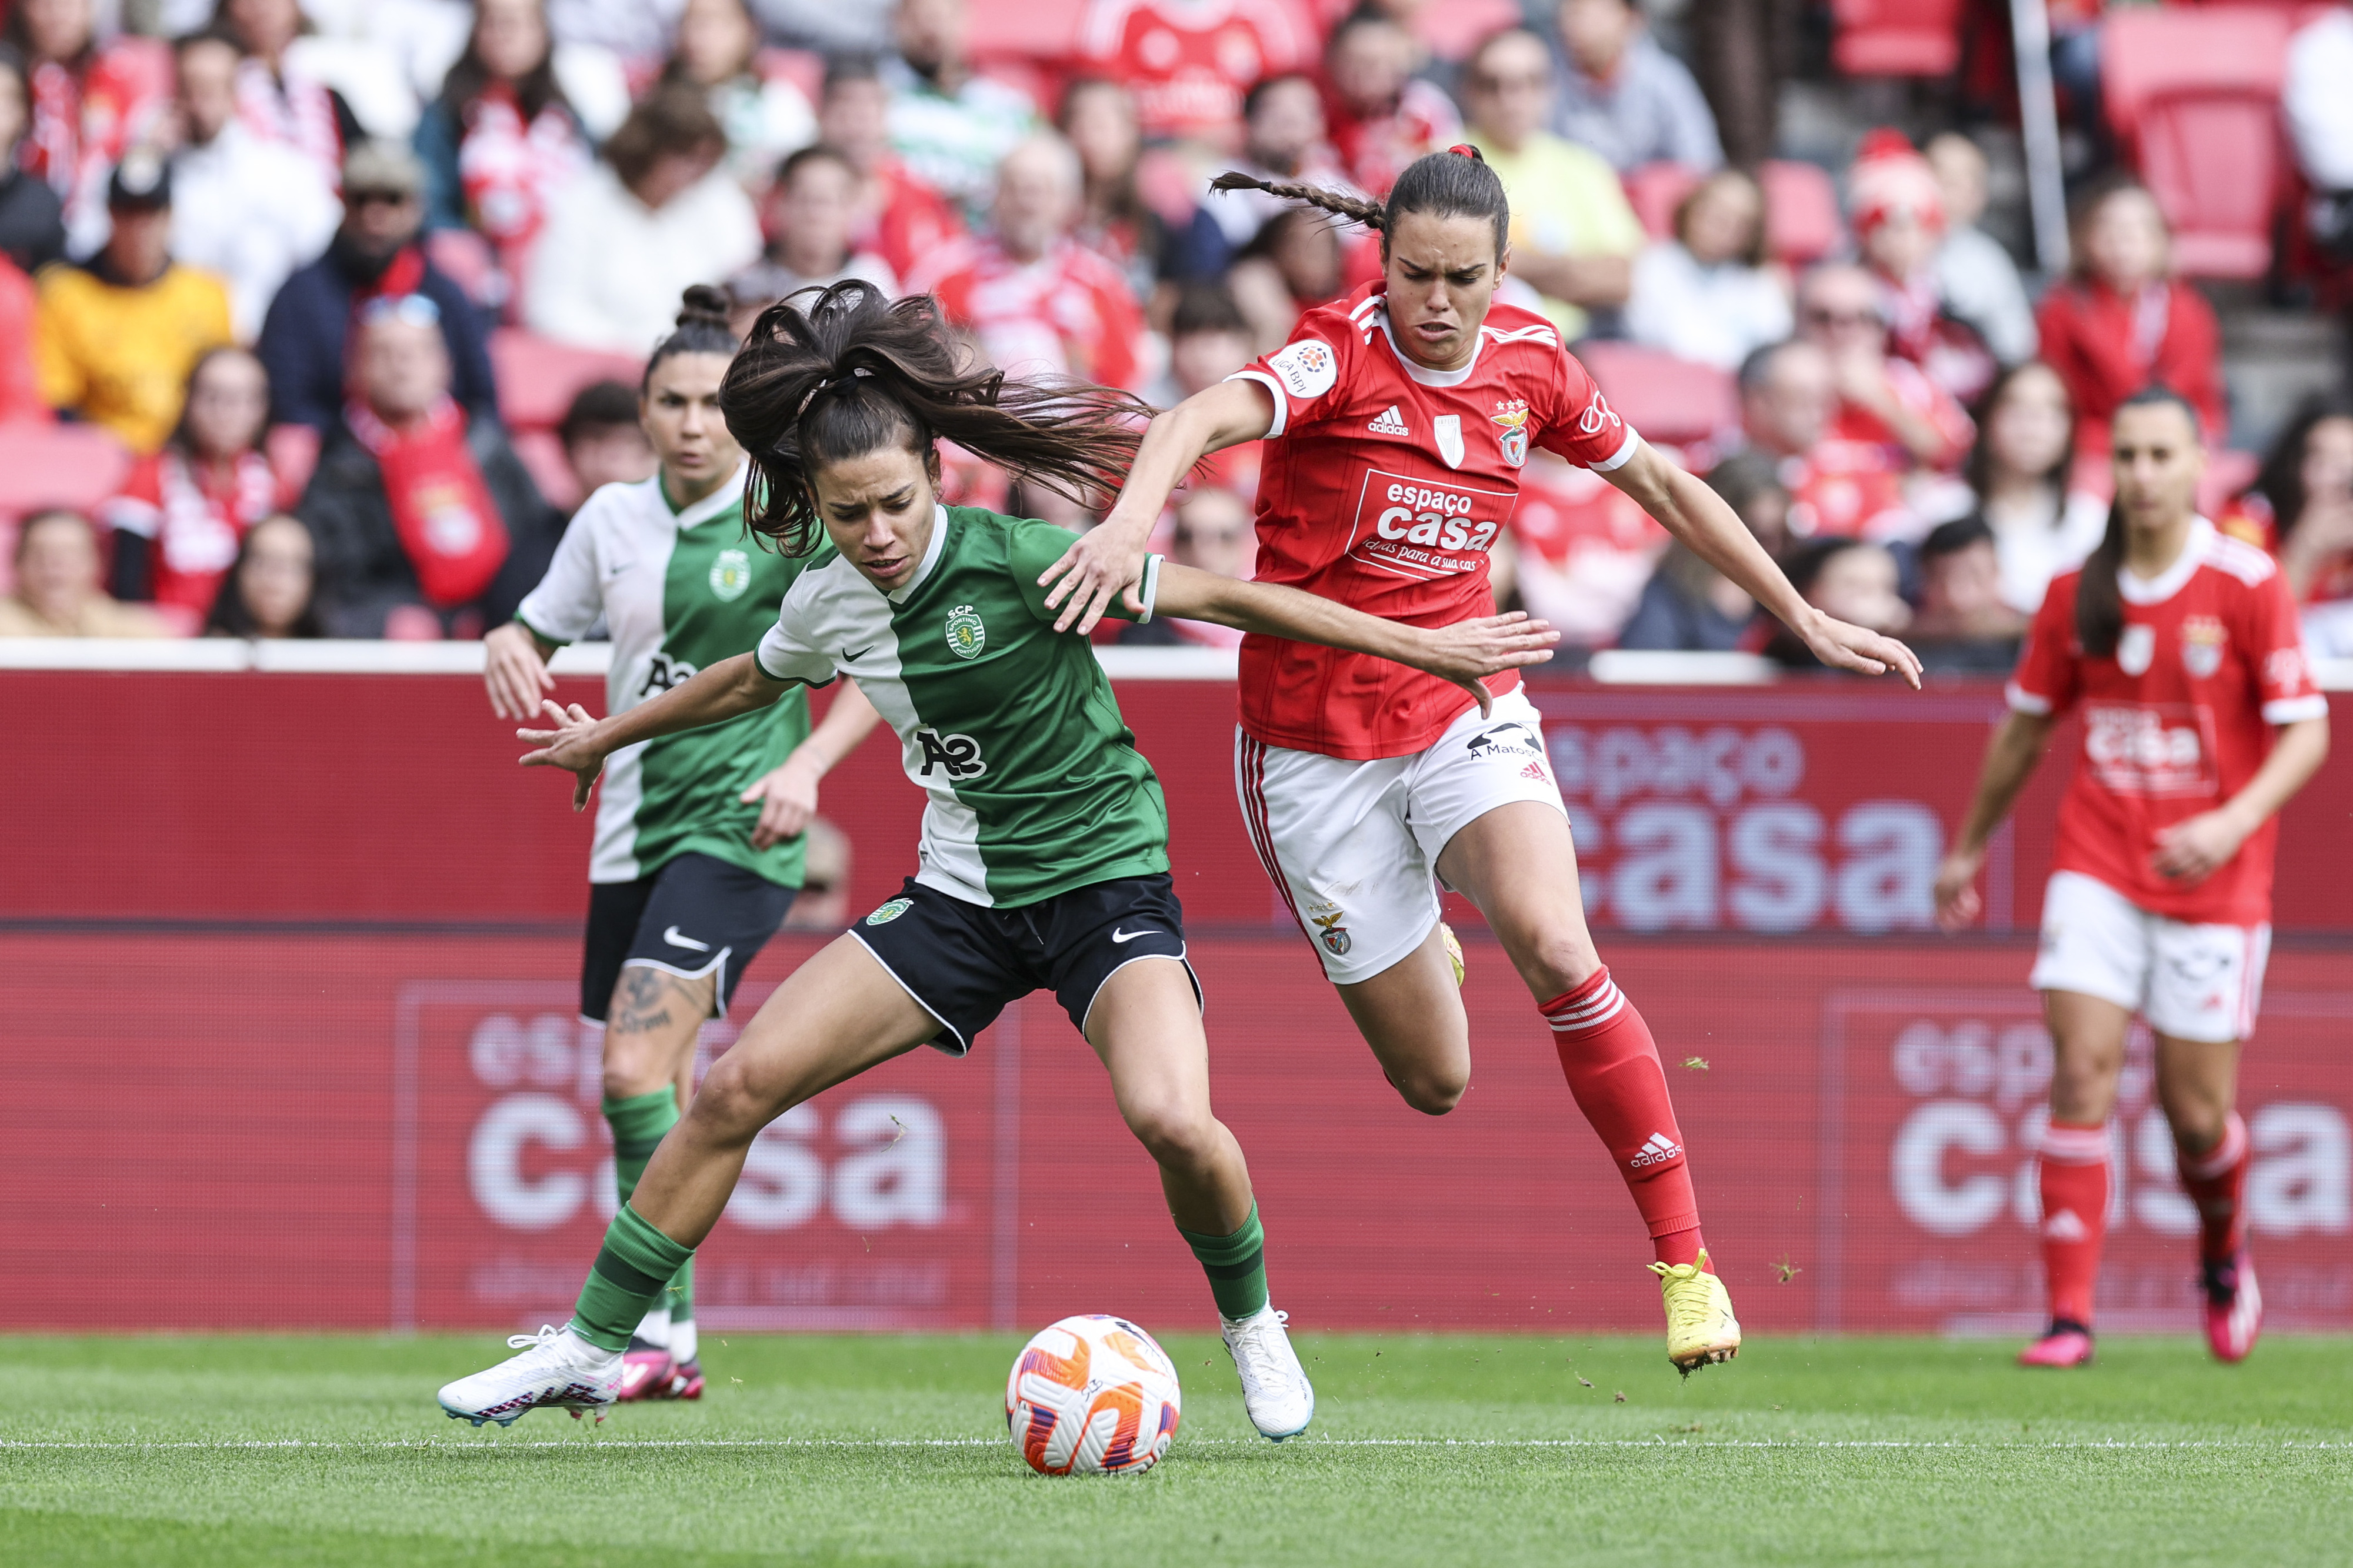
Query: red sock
{"x": 2215, "y": 1181}
{"x": 2074, "y": 1171}
{"x": 1612, "y": 1068}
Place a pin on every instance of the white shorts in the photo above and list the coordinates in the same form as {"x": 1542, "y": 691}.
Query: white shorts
{"x": 1352, "y": 846}
{"x": 2191, "y": 982}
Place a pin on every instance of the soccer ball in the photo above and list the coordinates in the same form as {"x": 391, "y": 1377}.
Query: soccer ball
{"x": 1091, "y": 1395}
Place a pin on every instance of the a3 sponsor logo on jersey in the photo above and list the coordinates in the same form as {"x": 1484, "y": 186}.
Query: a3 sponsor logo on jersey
{"x": 731, "y": 574}
{"x": 2150, "y": 748}
{"x": 1327, "y": 920}
{"x": 958, "y": 757}
{"x": 1306, "y": 368}
{"x": 1425, "y": 528}
{"x": 967, "y": 635}
{"x": 1511, "y": 420}
{"x": 2202, "y": 640}
{"x": 663, "y": 671}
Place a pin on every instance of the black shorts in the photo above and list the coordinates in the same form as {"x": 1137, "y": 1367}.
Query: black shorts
{"x": 964, "y": 962}
{"x": 697, "y": 915}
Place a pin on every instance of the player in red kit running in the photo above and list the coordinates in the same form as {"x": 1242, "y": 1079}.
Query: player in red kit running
{"x": 2200, "y": 720}
{"x": 1395, "y": 423}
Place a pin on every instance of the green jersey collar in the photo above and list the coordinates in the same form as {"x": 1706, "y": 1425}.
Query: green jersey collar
{"x": 931, "y": 557}
{"x": 717, "y": 503}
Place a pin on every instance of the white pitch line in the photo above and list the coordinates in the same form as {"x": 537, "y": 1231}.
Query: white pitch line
{"x": 495, "y": 1444}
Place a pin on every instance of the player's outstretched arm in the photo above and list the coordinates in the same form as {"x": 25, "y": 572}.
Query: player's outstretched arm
{"x": 1109, "y": 558}
{"x": 515, "y": 668}
{"x": 2196, "y": 848}
{"x": 787, "y": 796}
{"x": 2010, "y": 762}
{"x": 1462, "y": 653}
{"x": 1714, "y": 532}
{"x": 580, "y": 743}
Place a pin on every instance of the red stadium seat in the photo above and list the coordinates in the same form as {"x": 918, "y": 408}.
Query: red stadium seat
{"x": 1023, "y": 29}
{"x": 1802, "y": 213}
{"x": 1897, "y": 37}
{"x": 538, "y": 379}
{"x": 2194, "y": 97}
{"x": 1667, "y": 399}
{"x": 75, "y": 465}
{"x": 1655, "y": 190}
{"x": 542, "y": 454}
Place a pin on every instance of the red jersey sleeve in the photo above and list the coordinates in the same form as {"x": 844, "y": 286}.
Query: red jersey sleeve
{"x": 1576, "y": 421}
{"x": 1303, "y": 372}
{"x": 2284, "y": 685}
{"x": 2047, "y": 676}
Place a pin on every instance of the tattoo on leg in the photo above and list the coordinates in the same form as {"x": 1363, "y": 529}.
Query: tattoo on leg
{"x": 647, "y": 996}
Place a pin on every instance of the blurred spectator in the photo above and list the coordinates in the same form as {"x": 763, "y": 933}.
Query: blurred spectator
{"x": 2121, "y": 321}
{"x": 1743, "y": 51}
{"x": 182, "y": 511}
{"x": 1209, "y": 339}
{"x": 1623, "y": 96}
{"x": 1688, "y": 606}
{"x": 1573, "y": 235}
{"x": 2302, "y": 500}
{"x": 32, "y": 216}
{"x": 1964, "y": 627}
{"x": 2019, "y": 482}
{"x": 1189, "y": 61}
{"x": 269, "y": 590}
{"x": 1898, "y": 213}
{"x": 375, "y": 253}
{"x": 824, "y": 901}
{"x": 426, "y": 523}
{"x": 1292, "y": 266}
{"x": 117, "y": 336}
{"x": 277, "y": 101}
{"x": 1099, "y": 122}
{"x": 829, "y": 28}
{"x": 1852, "y": 579}
{"x": 247, "y": 209}
{"x": 2320, "y": 114}
{"x": 627, "y": 235}
{"x": 56, "y": 592}
{"x": 90, "y": 104}
{"x": 1380, "y": 114}
{"x": 20, "y": 383}
{"x": 1975, "y": 276}
{"x": 502, "y": 140}
{"x": 1213, "y": 533}
{"x": 900, "y": 218}
{"x": 1283, "y": 126}
{"x": 1038, "y": 302}
{"x": 952, "y": 127}
{"x": 603, "y": 441}
{"x": 1788, "y": 399}
{"x": 631, "y": 29}
{"x": 765, "y": 116}
{"x": 812, "y": 211}
{"x": 1576, "y": 552}
{"x": 1706, "y": 294}
{"x": 1882, "y": 401}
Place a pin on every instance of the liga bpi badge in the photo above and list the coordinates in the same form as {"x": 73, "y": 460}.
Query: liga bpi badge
{"x": 1448, "y": 428}
{"x": 2203, "y": 637}
{"x": 1511, "y": 434}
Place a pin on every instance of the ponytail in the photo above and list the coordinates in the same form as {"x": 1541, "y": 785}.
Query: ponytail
{"x": 1456, "y": 182}
{"x": 1347, "y": 208}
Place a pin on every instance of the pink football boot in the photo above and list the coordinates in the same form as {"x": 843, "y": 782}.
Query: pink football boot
{"x": 2067, "y": 1345}
{"x": 2234, "y": 1307}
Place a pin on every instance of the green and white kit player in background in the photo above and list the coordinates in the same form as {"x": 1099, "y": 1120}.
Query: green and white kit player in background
{"x": 699, "y": 837}
{"x": 1044, "y": 862}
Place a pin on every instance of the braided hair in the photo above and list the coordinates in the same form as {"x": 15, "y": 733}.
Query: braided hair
{"x": 703, "y": 329}
{"x": 1456, "y": 182}
{"x": 832, "y": 374}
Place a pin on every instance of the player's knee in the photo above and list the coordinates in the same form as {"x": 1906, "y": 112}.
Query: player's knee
{"x": 630, "y": 1072}
{"x": 1173, "y": 1132}
{"x": 730, "y": 1107}
{"x": 1432, "y": 1090}
{"x": 1559, "y": 962}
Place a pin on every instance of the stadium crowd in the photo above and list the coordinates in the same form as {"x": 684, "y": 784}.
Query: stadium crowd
{"x": 358, "y": 288}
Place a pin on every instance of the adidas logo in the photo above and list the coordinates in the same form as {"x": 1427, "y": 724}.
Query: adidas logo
{"x": 1657, "y": 1151}
{"x": 1390, "y": 423}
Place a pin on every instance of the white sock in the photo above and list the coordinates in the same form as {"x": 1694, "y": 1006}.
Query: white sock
{"x": 683, "y": 1341}
{"x": 654, "y": 1328}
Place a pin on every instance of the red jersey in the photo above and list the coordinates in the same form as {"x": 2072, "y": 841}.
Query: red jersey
{"x": 1383, "y": 487}
{"x": 1189, "y": 62}
{"x": 1067, "y": 313}
{"x": 2106, "y": 347}
{"x": 196, "y": 519}
{"x": 2175, "y": 722}
{"x": 909, "y": 220}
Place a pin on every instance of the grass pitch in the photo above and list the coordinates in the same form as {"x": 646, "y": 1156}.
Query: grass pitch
{"x": 1440, "y": 1450}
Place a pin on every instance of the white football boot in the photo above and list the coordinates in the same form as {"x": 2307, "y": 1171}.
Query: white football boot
{"x": 1275, "y": 1390}
{"x": 558, "y": 1370}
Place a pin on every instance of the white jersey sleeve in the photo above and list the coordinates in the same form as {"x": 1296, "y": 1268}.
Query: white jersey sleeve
{"x": 572, "y": 596}
{"x": 786, "y": 652}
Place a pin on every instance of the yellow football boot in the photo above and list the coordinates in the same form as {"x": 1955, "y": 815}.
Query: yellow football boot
{"x": 1700, "y": 1329}
{"x": 1453, "y": 950}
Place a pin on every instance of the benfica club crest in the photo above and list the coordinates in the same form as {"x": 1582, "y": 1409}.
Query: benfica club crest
{"x": 1512, "y": 432}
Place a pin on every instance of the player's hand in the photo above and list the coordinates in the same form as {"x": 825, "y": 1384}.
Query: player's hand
{"x": 571, "y": 745}
{"x": 1468, "y": 651}
{"x": 787, "y": 798}
{"x": 1107, "y": 560}
{"x": 1957, "y": 903}
{"x": 1843, "y": 646}
{"x": 2196, "y": 848}
{"x": 515, "y": 673}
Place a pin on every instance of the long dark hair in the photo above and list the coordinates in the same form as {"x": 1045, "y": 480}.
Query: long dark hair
{"x": 2099, "y": 602}
{"x": 230, "y": 616}
{"x": 534, "y": 89}
{"x": 702, "y": 329}
{"x": 1456, "y": 182}
{"x": 831, "y": 374}
{"x": 2280, "y": 481}
{"x": 1976, "y": 469}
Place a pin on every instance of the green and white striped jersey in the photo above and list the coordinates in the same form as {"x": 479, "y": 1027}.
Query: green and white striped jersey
{"x": 1009, "y": 727}
{"x": 679, "y": 590}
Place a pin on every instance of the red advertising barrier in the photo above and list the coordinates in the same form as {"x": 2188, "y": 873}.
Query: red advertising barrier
{"x": 303, "y": 1129}
{"x": 1813, "y": 806}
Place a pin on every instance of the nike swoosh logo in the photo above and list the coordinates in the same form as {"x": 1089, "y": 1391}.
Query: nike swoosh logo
{"x": 849, "y": 657}
{"x": 671, "y": 937}
{"x": 1128, "y": 935}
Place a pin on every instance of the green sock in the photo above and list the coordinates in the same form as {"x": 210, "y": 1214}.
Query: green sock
{"x": 632, "y": 1271}
{"x": 638, "y": 1124}
{"x": 1235, "y": 1265}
